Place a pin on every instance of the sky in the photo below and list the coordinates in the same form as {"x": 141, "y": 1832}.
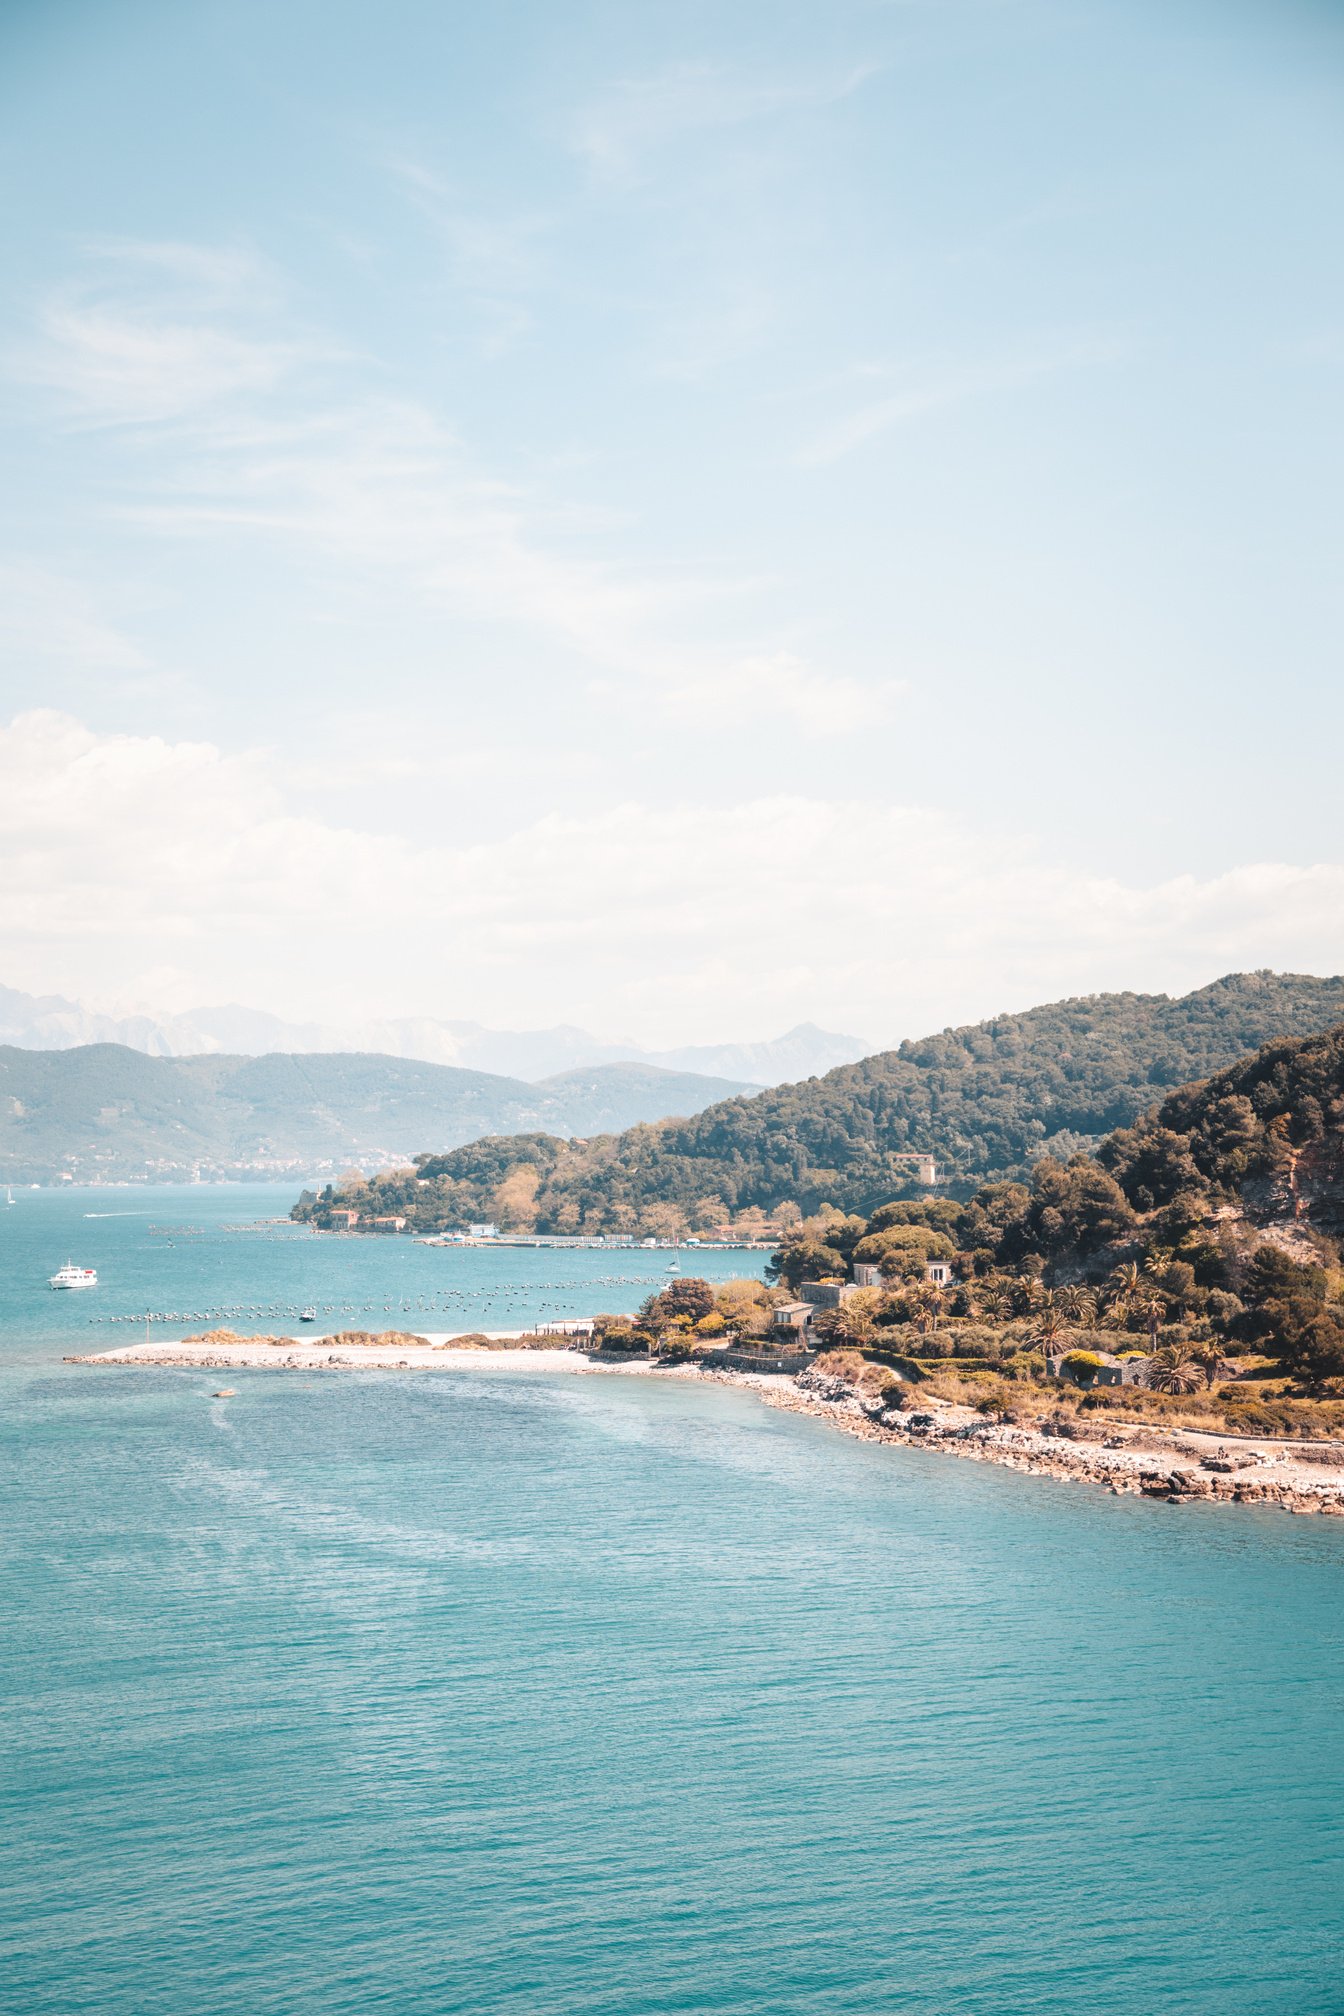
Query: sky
{"x": 680, "y": 518}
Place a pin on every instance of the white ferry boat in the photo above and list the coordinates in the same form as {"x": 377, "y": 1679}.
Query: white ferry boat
{"x": 71, "y": 1276}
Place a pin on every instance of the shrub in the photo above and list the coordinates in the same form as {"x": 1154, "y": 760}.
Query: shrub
{"x": 622, "y": 1337}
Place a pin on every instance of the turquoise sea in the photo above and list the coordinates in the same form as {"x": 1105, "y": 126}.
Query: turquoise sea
{"x": 531, "y": 1694}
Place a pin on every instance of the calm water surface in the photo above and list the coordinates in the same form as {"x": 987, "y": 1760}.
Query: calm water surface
{"x": 534, "y": 1694}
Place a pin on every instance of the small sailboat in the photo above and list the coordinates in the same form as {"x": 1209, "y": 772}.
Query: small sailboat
{"x": 9, "y": 1194}
{"x": 674, "y": 1266}
{"x": 308, "y": 1315}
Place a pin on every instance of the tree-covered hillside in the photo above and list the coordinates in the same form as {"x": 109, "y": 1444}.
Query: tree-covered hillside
{"x": 1265, "y": 1137}
{"x": 986, "y": 1101}
{"x": 1212, "y": 1225}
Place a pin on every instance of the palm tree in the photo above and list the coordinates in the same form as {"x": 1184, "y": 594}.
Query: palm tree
{"x": 1126, "y": 1283}
{"x": 1171, "y": 1369}
{"x": 1211, "y": 1363}
{"x": 1154, "y": 1309}
{"x": 1027, "y": 1295}
{"x": 928, "y": 1304}
{"x": 1050, "y": 1323}
{"x": 1078, "y": 1303}
{"x": 993, "y": 1301}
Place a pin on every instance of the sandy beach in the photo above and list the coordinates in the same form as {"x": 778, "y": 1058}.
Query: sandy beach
{"x": 325, "y": 1354}
{"x": 1174, "y": 1466}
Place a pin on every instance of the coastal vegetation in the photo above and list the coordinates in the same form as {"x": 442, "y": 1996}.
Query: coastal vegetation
{"x": 1188, "y": 1274}
{"x": 1204, "y": 1237}
{"x": 988, "y": 1102}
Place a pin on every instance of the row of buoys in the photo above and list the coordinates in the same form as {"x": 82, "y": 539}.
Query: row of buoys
{"x": 497, "y": 1297}
{"x": 274, "y": 1310}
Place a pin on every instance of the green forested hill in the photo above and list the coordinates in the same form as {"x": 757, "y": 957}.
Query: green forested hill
{"x": 1210, "y": 1226}
{"x": 1265, "y": 1136}
{"x": 986, "y": 1100}
{"x": 103, "y": 1110}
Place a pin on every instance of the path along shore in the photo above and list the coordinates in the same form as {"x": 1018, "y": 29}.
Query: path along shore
{"x": 1177, "y": 1465}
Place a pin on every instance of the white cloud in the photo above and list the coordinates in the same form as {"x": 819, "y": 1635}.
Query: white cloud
{"x": 748, "y": 691}
{"x": 121, "y": 854}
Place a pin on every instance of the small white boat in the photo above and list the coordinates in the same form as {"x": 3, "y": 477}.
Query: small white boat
{"x": 674, "y": 1266}
{"x": 71, "y": 1276}
{"x": 307, "y": 1315}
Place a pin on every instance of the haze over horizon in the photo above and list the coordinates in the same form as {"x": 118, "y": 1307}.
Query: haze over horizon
{"x": 676, "y": 520}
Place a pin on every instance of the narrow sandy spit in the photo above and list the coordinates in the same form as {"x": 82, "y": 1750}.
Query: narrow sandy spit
{"x": 1169, "y": 1465}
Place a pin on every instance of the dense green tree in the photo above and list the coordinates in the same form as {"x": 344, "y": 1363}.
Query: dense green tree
{"x": 1074, "y": 1210}
{"x": 902, "y": 1250}
{"x": 686, "y": 1300}
{"x": 803, "y": 1259}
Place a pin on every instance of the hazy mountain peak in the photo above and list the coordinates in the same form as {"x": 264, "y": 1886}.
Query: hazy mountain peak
{"x": 50, "y": 1022}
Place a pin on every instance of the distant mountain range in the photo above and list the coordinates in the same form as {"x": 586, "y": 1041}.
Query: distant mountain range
{"x": 50, "y": 1022}
{"x": 106, "y": 1111}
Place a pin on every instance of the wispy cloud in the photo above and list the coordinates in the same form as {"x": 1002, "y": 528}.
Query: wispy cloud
{"x": 227, "y": 275}
{"x": 495, "y": 262}
{"x": 692, "y": 343}
{"x": 153, "y": 331}
{"x": 633, "y": 117}
{"x": 111, "y": 367}
{"x": 256, "y": 443}
{"x": 916, "y": 393}
{"x": 261, "y": 440}
{"x": 47, "y": 618}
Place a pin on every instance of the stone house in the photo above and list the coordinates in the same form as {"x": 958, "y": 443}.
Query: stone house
{"x": 1112, "y": 1371}
{"x": 827, "y": 1294}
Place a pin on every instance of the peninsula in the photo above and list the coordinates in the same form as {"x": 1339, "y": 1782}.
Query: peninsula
{"x": 1179, "y": 1295}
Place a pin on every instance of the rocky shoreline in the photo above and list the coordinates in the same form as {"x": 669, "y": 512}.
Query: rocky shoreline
{"x": 1173, "y": 1466}
{"x": 1177, "y": 1467}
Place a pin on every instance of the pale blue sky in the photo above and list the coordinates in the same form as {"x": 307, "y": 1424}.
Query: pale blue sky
{"x": 679, "y": 517}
